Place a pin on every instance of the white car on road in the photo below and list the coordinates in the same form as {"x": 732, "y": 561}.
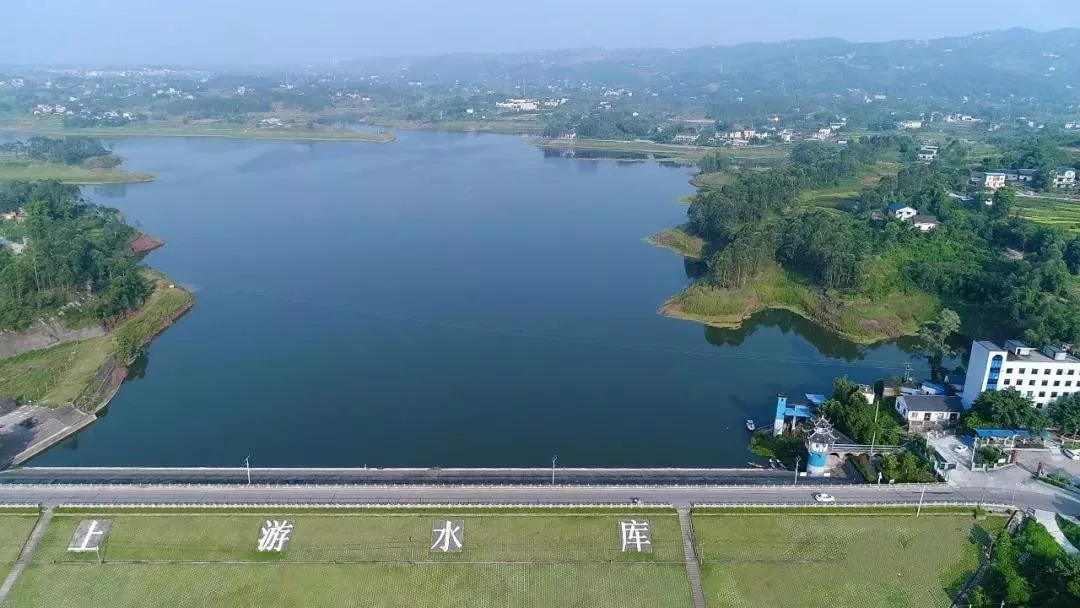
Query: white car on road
{"x": 822, "y": 497}
{"x": 960, "y": 448}
{"x": 1073, "y": 454}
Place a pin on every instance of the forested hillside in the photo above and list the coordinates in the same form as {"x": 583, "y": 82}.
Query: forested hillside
{"x": 754, "y": 223}
{"x": 77, "y": 261}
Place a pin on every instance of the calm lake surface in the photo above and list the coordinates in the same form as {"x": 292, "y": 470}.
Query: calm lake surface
{"x": 445, "y": 300}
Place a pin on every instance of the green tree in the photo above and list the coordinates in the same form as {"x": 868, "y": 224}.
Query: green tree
{"x": 1065, "y": 413}
{"x": 934, "y": 339}
{"x": 1004, "y": 409}
{"x": 1004, "y": 200}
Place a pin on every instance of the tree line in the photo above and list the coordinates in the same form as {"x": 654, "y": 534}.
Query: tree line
{"x": 77, "y": 259}
{"x": 67, "y": 150}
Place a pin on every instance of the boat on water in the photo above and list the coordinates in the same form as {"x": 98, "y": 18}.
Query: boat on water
{"x": 750, "y": 425}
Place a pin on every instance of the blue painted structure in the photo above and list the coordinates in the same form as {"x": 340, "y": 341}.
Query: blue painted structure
{"x": 785, "y": 410}
{"x": 818, "y": 445}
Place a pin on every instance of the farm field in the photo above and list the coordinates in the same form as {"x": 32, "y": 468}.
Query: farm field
{"x": 357, "y": 559}
{"x": 838, "y": 560}
{"x": 1050, "y": 211}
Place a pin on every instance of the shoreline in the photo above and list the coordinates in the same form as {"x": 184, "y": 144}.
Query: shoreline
{"x": 861, "y": 322}
{"x": 102, "y": 355}
{"x": 187, "y": 131}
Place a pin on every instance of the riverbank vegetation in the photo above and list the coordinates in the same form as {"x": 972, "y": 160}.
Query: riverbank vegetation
{"x": 679, "y": 240}
{"x": 771, "y": 242}
{"x": 59, "y": 375}
{"x": 1030, "y": 569}
{"x": 73, "y": 160}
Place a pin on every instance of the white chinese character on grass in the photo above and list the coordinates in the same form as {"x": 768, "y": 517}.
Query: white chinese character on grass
{"x": 274, "y": 535}
{"x": 635, "y": 535}
{"x": 447, "y": 537}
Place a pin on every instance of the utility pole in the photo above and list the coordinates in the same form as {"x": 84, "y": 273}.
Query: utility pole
{"x": 921, "y": 494}
{"x": 553, "y": 459}
{"x": 873, "y": 438}
{"x": 247, "y": 465}
{"x": 797, "y": 460}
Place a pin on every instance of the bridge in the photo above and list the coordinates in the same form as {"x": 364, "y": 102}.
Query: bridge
{"x": 854, "y": 448}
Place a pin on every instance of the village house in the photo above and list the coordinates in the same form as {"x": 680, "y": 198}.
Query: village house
{"x": 13, "y": 216}
{"x": 925, "y": 223}
{"x": 991, "y": 180}
{"x": 1063, "y": 177}
{"x": 901, "y": 211}
{"x": 924, "y": 412}
{"x": 685, "y": 139}
{"x": 928, "y": 153}
{"x": 911, "y": 124}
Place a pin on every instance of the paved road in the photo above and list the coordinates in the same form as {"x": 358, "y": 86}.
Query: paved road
{"x": 444, "y": 494}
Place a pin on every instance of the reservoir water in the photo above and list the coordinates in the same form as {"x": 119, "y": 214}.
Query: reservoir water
{"x": 445, "y": 300}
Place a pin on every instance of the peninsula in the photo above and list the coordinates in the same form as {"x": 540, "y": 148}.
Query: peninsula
{"x": 871, "y": 239}
{"x": 76, "y": 311}
{"x": 71, "y": 160}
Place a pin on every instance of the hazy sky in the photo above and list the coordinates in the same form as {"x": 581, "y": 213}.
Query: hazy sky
{"x": 302, "y": 31}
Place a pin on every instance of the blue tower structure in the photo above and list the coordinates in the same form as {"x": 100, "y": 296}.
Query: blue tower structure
{"x": 819, "y": 443}
{"x": 785, "y": 410}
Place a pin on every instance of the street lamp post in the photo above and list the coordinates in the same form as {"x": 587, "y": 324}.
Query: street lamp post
{"x": 798, "y": 459}
{"x": 247, "y": 465}
{"x": 553, "y": 459}
{"x": 921, "y": 494}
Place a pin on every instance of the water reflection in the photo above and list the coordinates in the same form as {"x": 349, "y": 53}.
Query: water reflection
{"x": 137, "y": 370}
{"x": 694, "y": 269}
{"x": 111, "y": 190}
{"x": 826, "y": 342}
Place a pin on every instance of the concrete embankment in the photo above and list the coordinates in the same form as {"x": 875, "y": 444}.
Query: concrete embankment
{"x": 43, "y": 334}
{"x": 424, "y": 476}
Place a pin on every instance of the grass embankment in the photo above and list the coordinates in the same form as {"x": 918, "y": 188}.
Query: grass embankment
{"x": 209, "y": 559}
{"x": 838, "y": 560}
{"x": 32, "y": 170}
{"x": 679, "y": 240}
{"x": 1070, "y": 529}
{"x": 517, "y": 126}
{"x": 672, "y": 151}
{"x": 859, "y": 320}
{"x": 1059, "y": 213}
{"x": 14, "y": 530}
{"x": 57, "y": 375}
{"x": 173, "y": 128}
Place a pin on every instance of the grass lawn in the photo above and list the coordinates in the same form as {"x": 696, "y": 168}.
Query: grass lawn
{"x": 14, "y": 530}
{"x": 392, "y": 537}
{"x": 679, "y": 240}
{"x": 1051, "y": 212}
{"x": 358, "y": 559}
{"x": 361, "y": 585}
{"x": 57, "y": 375}
{"x": 780, "y": 560}
{"x": 858, "y": 320}
{"x": 22, "y": 169}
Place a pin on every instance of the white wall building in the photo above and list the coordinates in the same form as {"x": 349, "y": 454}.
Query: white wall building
{"x": 1040, "y": 375}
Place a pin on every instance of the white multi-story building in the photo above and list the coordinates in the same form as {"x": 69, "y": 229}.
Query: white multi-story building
{"x": 1040, "y": 375}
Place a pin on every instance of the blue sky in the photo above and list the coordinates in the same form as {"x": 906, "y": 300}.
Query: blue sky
{"x": 220, "y": 32}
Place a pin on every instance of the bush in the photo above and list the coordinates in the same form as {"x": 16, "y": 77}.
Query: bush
{"x": 862, "y": 465}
